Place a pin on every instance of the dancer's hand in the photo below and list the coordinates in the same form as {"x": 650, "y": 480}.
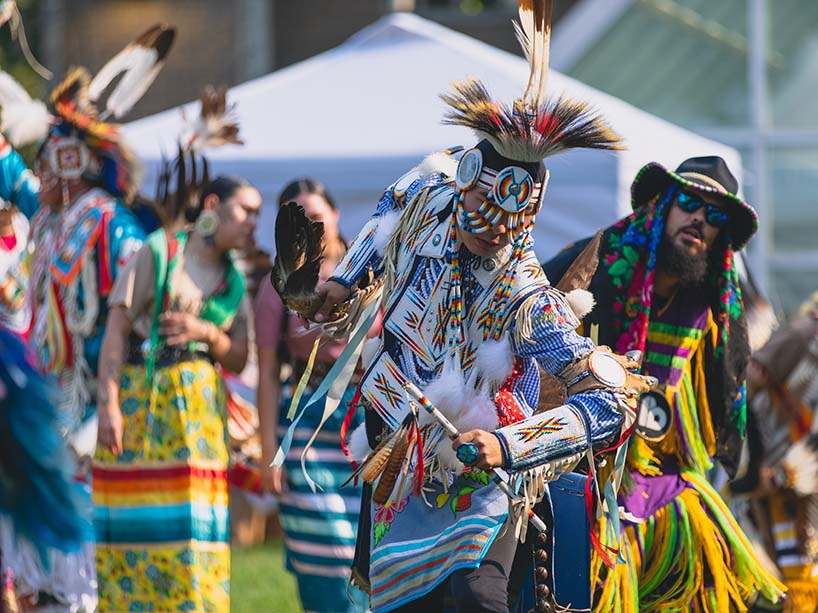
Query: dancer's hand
{"x": 273, "y": 479}
{"x": 333, "y": 294}
{"x": 489, "y": 451}
{"x": 109, "y": 429}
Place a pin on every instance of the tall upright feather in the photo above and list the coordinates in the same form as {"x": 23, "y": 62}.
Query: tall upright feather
{"x": 534, "y": 35}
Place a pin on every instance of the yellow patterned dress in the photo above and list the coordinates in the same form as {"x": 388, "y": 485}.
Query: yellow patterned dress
{"x": 161, "y": 507}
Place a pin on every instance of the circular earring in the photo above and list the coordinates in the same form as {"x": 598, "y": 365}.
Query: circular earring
{"x": 207, "y": 223}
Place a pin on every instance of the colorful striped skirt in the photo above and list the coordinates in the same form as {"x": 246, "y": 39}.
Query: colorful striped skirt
{"x": 160, "y": 508}
{"x": 320, "y": 528}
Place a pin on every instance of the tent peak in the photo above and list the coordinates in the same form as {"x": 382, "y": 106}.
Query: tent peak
{"x": 411, "y": 25}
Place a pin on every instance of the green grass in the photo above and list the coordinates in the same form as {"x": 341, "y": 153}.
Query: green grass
{"x": 259, "y": 583}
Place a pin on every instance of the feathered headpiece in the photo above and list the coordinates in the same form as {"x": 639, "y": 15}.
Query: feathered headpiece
{"x": 532, "y": 127}
{"x": 73, "y": 124}
{"x": 215, "y": 126}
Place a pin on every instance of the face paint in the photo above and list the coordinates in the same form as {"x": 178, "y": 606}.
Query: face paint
{"x": 508, "y": 196}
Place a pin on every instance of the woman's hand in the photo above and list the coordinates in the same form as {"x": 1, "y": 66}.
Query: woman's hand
{"x": 109, "y": 429}
{"x": 489, "y": 451}
{"x": 183, "y": 328}
{"x": 273, "y": 479}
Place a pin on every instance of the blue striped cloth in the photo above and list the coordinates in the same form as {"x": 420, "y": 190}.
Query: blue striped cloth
{"x": 320, "y": 528}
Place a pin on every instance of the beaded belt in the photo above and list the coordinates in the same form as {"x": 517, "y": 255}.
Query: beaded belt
{"x": 165, "y": 355}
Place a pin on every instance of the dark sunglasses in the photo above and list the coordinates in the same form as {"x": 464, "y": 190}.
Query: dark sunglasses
{"x": 716, "y": 216}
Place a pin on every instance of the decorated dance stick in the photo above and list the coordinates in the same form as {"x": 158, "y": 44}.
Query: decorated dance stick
{"x": 469, "y": 452}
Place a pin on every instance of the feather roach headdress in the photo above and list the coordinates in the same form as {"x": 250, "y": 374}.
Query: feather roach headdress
{"x": 216, "y": 124}
{"x": 76, "y": 138}
{"x": 532, "y": 127}
{"x": 182, "y": 178}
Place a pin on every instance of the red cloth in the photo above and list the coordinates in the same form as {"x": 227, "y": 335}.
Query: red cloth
{"x": 8, "y": 242}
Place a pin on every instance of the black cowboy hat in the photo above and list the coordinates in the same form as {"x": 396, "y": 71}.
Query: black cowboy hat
{"x": 707, "y": 174}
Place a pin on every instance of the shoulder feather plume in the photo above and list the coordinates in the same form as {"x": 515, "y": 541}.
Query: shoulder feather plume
{"x": 139, "y": 63}
{"x": 532, "y": 128}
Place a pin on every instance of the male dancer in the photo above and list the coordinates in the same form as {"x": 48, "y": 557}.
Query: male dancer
{"x": 468, "y": 317}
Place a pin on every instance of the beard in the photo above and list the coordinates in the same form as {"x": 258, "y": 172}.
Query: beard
{"x": 690, "y": 269}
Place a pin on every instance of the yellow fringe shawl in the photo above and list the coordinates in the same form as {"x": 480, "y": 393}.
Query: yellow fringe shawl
{"x": 690, "y": 556}
{"x": 691, "y": 439}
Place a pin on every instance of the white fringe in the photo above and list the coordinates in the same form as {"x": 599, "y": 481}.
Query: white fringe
{"x": 524, "y": 330}
{"x": 446, "y": 460}
{"x": 71, "y": 577}
{"x": 531, "y": 487}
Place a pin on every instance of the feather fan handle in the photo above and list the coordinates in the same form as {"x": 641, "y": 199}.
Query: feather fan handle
{"x": 140, "y": 61}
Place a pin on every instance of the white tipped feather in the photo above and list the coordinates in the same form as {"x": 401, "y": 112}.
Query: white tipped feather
{"x": 141, "y": 61}
{"x": 534, "y": 35}
{"x": 581, "y": 302}
{"x": 438, "y": 163}
{"x": 386, "y": 225}
{"x": 133, "y": 85}
{"x": 494, "y": 361}
{"x": 358, "y": 444}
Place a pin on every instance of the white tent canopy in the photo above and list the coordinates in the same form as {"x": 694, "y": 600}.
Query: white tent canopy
{"x": 358, "y": 116}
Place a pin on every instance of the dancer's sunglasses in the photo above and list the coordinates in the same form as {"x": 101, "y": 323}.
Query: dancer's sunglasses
{"x": 715, "y": 215}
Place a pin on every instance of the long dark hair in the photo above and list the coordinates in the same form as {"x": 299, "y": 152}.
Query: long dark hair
{"x": 308, "y": 185}
{"x": 223, "y": 187}
{"x": 305, "y": 185}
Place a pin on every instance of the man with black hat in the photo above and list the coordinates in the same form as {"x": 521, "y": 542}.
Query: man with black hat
{"x": 667, "y": 286}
